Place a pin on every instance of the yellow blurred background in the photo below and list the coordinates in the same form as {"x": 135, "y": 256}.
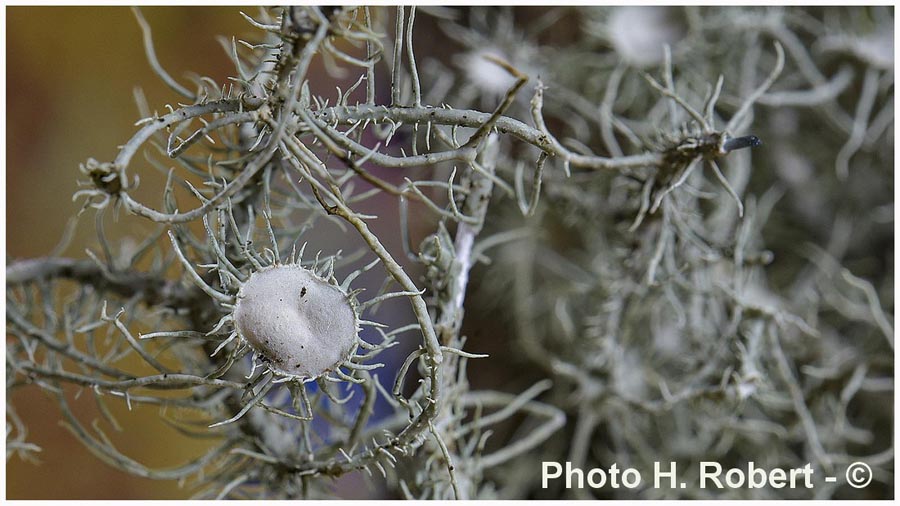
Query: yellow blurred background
{"x": 71, "y": 72}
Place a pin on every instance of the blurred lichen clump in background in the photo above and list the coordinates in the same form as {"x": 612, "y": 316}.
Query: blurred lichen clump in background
{"x": 699, "y": 334}
{"x": 569, "y": 180}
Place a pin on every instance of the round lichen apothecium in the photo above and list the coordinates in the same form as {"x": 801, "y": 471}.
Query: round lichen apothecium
{"x": 299, "y": 323}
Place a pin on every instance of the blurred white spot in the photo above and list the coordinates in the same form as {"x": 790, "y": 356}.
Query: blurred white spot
{"x": 638, "y": 33}
{"x": 628, "y": 376}
{"x": 490, "y": 78}
{"x": 878, "y": 48}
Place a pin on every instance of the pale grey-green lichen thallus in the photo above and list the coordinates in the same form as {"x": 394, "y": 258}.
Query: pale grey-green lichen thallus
{"x": 299, "y": 323}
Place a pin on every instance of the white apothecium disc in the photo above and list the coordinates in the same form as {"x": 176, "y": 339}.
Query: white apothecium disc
{"x": 299, "y": 323}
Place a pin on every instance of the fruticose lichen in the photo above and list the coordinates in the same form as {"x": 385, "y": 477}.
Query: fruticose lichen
{"x": 577, "y": 234}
